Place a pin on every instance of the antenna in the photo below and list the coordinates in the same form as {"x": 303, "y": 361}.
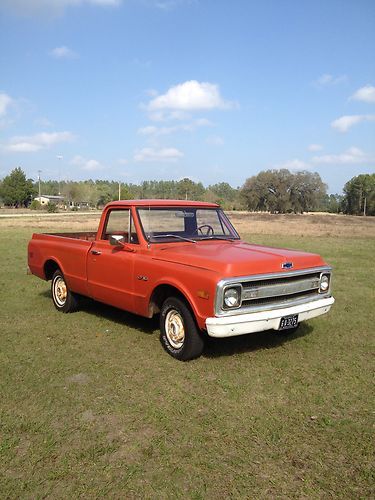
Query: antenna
{"x": 59, "y": 157}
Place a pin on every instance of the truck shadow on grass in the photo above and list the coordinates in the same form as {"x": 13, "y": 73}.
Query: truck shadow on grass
{"x": 214, "y": 348}
{"x": 269, "y": 339}
{"x": 115, "y": 315}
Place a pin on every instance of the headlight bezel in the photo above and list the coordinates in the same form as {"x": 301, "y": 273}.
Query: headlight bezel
{"x": 238, "y": 288}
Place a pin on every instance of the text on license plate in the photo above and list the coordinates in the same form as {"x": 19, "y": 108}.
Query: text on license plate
{"x": 288, "y": 322}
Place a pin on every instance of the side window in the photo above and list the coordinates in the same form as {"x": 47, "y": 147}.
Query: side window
{"x": 120, "y": 223}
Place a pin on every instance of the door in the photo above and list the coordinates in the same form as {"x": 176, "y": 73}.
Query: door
{"x": 110, "y": 269}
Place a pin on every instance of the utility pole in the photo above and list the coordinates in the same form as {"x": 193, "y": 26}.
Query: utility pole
{"x": 119, "y": 191}
{"x": 59, "y": 157}
{"x": 364, "y": 206}
{"x": 39, "y": 172}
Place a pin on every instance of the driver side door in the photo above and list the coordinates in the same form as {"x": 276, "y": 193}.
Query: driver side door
{"x": 110, "y": 269}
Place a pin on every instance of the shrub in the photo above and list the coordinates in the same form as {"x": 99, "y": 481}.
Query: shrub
{"x": 52, "y": 208}
{"x": 35, "y": 205}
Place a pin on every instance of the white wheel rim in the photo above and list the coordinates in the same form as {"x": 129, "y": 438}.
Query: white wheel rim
{"x": 174, "y": 329}
{"x": 60, "y": 291}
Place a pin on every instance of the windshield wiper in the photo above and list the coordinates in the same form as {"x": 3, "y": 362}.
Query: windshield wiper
{"x": 216, "y": 238}
{"x": 171, "y": 236}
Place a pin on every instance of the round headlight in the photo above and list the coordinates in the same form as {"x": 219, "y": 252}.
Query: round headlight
{"x": 232, "y": 297}
{"x": 324, "y": 283}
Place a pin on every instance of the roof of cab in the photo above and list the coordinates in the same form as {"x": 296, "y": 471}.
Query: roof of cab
{"x": 162, "y": 203}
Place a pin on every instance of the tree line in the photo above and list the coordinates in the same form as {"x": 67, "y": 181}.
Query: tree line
{"x": 275, "y": 191}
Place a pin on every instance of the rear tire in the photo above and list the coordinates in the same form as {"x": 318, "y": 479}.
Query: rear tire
{"x": 179, "y": 334}
{"x": 63, "y": 299}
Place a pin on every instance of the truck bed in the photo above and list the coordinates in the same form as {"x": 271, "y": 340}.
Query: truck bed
{"x": 84, "y": 235}
{"x": 67, "y": 250}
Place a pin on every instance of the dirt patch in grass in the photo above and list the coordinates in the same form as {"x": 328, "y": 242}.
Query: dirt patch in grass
{"x": 79, "y": 378}
{"x": 129, "y": 439}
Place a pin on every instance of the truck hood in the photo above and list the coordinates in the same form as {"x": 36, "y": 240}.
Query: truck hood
{"x": 233, "y": 259}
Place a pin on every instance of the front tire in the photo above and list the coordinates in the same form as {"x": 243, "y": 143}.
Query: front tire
{"x": 179, "y": 334}
{"x": 63, "y": 299}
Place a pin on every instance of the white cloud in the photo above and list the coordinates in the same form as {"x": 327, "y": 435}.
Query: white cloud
{"x": 63, "y": 53}
{"x": 315, "y": 147}
{"x": 51, "y": 7}
{"x": 86, "y": 164}
{"x": 190, "y": 96}
{"x": 5, "y": 102}
{"x": 43, "y": 122}
{"x": 162, "y": 154}
{"x": 151, "y": 92}
{"x": 165, "y": 116}
{"x": 294, "y": 164}
{"x": 326, "y": 80}
{"x": 351, "y": 155}
{"x": 344, "y": 123}
{"x": 154, "y": 131}
{"x": 215, "y": 140}
{"x": 122, "y": 161}
{"x": 365, "y": 94}
{"x": 203, "y": 122}
{"x": 170, "y": 4}
{"x": 33, "y": 143}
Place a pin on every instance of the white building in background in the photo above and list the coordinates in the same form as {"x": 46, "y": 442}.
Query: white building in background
{"x": 45, "y": 199}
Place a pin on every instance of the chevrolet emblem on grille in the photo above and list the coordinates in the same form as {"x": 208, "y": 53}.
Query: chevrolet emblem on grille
{"x": 287, "y": 265}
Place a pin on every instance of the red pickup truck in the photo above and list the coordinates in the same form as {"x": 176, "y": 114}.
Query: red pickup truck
{"x": 186, "y": 261}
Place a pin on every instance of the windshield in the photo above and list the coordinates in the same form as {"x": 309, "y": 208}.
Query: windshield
{"x": 185, "y": 224}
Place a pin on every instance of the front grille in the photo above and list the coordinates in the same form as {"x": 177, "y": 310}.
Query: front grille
{"x": 279, "y": 289}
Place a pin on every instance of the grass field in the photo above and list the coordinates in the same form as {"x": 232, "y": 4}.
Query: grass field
{"x": 91, "y": 405}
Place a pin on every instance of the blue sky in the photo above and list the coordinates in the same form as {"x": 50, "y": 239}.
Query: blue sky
{"x": 135, "y": 90}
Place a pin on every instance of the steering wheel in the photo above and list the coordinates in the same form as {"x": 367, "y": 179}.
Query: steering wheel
{"x": 205, "y": 230}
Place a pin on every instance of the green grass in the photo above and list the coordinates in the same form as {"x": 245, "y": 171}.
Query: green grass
{"x": 92, "y": 406}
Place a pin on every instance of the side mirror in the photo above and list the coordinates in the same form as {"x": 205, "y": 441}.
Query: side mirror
{"x": 116, "y": 240}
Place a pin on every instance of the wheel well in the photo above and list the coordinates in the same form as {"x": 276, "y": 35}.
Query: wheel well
{"x": 160, "y": 294}
{"x": 49, "y": 268}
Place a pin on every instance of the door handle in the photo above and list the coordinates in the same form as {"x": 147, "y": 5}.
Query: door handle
{"x": 96, "y": 252}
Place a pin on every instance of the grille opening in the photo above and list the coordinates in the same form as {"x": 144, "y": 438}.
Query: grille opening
{"x": 276, "y": 281}
{"x": 280, "y": 299}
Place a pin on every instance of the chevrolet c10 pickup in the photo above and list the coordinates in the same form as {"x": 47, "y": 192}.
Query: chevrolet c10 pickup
{"x": 186, "y": 262}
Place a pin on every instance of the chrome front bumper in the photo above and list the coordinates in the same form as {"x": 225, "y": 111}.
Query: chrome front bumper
{"x": 240, "y": 324}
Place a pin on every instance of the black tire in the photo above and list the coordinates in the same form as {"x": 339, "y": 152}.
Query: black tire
{"x": 63, "y": 299}
{"x": 179, "y": 334}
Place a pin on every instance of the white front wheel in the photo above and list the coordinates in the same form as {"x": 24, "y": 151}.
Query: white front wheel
{"x": 179, "y": 334}
{"x": 174, "y": 329}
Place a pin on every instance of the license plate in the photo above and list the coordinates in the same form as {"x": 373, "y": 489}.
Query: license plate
{"x": 288, "y": 322}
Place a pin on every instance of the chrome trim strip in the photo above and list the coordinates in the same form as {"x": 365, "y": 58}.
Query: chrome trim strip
{"x": 262, "y": 277}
